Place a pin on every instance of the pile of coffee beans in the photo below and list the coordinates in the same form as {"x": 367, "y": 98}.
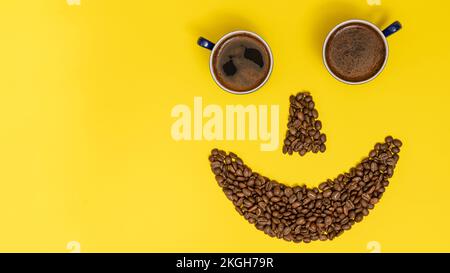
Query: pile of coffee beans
{"x": 302, "y": 214}
{"x": 303, "y": 133}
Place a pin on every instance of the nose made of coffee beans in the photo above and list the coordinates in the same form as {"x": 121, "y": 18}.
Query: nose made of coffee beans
{"x": 301, "y": 214}
{"x": 303, "y": 133}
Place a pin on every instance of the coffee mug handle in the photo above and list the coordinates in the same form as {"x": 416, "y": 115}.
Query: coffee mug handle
{"x": 391, "y": 29}
{"x": 205, "y": 43}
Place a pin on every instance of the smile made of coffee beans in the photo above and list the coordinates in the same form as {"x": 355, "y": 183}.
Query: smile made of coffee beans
{"x": 303, "y": 133}
{"x": 302, "y": 214}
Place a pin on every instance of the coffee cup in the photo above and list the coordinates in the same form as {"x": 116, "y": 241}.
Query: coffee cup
{"x": 356, "y": 51}
{"x": 240, "y": 62}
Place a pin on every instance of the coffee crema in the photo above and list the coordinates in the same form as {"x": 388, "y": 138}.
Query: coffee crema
{"x": 355, "y": 52}
{"x": 241, "y": 63}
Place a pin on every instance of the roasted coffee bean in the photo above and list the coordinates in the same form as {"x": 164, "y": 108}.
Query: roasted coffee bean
{"x": 311, "y": 195}
{"x": 292, "y": 199}
{"x": 397, "y": 143}
{"x": 327, "y": 193}
{"x": 247, "y": 192}
{"x": 277, "y": 191}
{"x": 275, "y": 199}
{"x": 303, "y": 128}
{"x": 318, "y": 125}
{"x": 288, "y": 192}
{"x": 322, "y": 148}
{"x": 323, "y": 186}
{"x": 299, "y": 213}
{"x": 388, "y": 139}
{"x": 335, "y": 195}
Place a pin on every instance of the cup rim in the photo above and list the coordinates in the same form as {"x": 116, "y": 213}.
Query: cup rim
{"x": 223, "y": 38}
{"x": 349, "y": 22}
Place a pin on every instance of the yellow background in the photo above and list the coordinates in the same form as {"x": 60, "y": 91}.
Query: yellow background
{"x": 86, "y": 153}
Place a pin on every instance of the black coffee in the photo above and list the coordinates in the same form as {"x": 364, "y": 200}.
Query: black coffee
{"x": 241, "y": 63}
{"x": 304, "y": 214}
{"x": 355, "y": 52}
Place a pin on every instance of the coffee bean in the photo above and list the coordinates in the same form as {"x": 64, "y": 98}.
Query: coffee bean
{"x": 292, "y": 199}
{"x": 315, "y": 114}
{"x": 275, "y": 188}
{"x": 275, "y": 199}
{"x": 299, "y": 213}
{"x": 322, "y": 148}
{"x": 315, "y": 149}
{"x": 239, "y": 210}
{"x": 318, "y": 125}
{"x": 327, "y": 193}
{"x": 219, "y": 179}
{"x": 359, "y": 217}
{"x": 303, "y": 152}
{"x": 373, "y": 166}
{"x": 335, "y": 195}
{"x": 365, "y": 212}
{"x": 288, "y": 192}
{"x": 246, "y": 192}
{"x": 365, "y": 197}
{"x": 311, "y": 195}
{"x": 397, "y": 143}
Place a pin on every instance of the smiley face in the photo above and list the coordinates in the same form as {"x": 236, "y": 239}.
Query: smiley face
{"x": 302, "y": 214}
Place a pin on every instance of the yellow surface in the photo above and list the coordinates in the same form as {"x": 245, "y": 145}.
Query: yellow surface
{"x": 86, "y": 153}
